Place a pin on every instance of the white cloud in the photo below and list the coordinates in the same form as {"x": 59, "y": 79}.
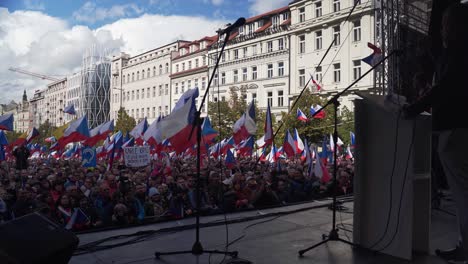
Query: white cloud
{"x": 34, "y": 5}
{"x": 40, "y": 43}
{"x": 217, "y": 2}
{"x": 91, "y": 13}
{"x": 261, "y": 6}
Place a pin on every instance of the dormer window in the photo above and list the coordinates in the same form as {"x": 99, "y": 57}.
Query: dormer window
{"x": 260, "y": 23}
{"x": 275, "y": 21}
{"x": 241, "y": 30}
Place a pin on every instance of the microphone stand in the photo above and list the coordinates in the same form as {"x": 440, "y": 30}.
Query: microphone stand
{"x": 197, "y": 248}
{"x": 333, "y": 235}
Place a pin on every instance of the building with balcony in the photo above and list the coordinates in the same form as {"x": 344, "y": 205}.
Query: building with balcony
{"x": 37, "y": 108}
{"x": 55, "y": 100}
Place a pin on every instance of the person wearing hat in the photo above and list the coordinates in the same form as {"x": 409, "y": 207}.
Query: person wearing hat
{"x": 156, "y": 203}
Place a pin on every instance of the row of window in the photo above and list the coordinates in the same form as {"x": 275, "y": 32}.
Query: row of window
{"x": 189, "y": 85}
{"x": 272, "y": 45}
{"x": 189, "y": 64}
{"x": 276, "y": 20}
{"x": 145, "y": 74}
{"x": 142, "y": 94}
{"x": 243, "y": 75}
{"x": 336, "y": 6}
{"x": 336, "y": 31}
{"x": 356, "y": 73}
{"x": 149, "y": 113}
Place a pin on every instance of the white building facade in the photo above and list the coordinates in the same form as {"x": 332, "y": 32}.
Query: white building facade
{"x": 55, "y": 101}
{"x": 73, "y": 94}
{"x": 141, "y": 84}
{"x": 314, "y": 25}
{"x": 37, "y": 108}
{"x": 256, "y": 58}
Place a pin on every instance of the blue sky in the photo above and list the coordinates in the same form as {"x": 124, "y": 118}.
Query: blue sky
{"x": 50, "y": 36}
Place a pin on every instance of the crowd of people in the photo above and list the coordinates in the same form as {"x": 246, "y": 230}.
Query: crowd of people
{"x": 164, "y": 190}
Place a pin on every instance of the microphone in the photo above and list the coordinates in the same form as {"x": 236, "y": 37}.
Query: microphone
{"x": 238, "y": 23}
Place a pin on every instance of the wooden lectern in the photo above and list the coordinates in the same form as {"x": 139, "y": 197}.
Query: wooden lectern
{"x": 376, "y": 125}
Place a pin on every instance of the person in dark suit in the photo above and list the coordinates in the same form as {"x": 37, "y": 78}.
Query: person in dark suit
{"x": 448, "y": 99}
{"x": 21, "y": 154}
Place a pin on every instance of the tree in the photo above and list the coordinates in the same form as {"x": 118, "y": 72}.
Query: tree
{"x": 45, "y": 131}
{"x": 125, "y": 123}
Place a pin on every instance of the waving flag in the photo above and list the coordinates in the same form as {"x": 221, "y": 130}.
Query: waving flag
{"x": 6, "y": 122}
{"x": 77, "y": 219}
{"x": 77, "y": 131}
{"x": 298, "y": 142}
{"x": 178, "y": 125}
{"x": 99, "y": 133}
{"x": 129, "y": 143}
{"x": 268, "y": 137}
{"x": 70, "y": 110}
{"x": 349, "y": 154}
{"x": 153, "y": 134}
{"x": 245, "y": 126}
{"x": 301, "y": 116}
{"x": 353, "y": 138}
{"x": 289, "y": 146}
{"x": 375, "y": 57}
{"x": 139, "y": 130}
{"x": 332, "y": 143}
{"x": 51, "y": 139}
{"x": 230, "y": 160}
{"x": 246, "y": 147}
{"x": 32, "y": 134}
{"x": 3, "y": 139}
{"x": 88, "y": 157}
{"x": 261, "y": 142}
{"x": 320, "y": 171}
{"x": 315, "y": 83}
{"x": 314, "y": 110}
{"x": 273, "y": 155}
{"x": 208, "y": 133}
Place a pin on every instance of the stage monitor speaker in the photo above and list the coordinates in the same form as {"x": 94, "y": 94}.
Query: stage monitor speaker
{"x": 35, "y": 239}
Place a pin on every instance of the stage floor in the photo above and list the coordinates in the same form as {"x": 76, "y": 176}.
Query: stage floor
{"x": 275, "y": 241}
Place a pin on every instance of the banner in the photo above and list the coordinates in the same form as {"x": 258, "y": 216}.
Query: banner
{"x": 88, "y": 157}
{"x": 137, "y": 156}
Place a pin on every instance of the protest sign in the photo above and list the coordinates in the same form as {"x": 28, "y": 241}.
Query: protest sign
{"x": 137, "y": 156}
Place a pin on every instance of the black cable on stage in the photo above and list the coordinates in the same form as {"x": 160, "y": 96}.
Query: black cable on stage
{"x": 390, "y": 205}
{"x": 402, "y": 190}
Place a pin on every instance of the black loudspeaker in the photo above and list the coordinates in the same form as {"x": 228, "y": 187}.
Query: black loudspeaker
{"x": 34, "y": 239}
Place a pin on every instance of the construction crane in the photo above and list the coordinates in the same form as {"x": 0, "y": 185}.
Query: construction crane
{"x": 42, "y": 76}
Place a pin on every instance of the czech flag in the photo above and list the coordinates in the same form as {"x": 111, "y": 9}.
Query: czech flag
{"x": 6, "y": 122}
{"x": 139, "y": 130}
{"x": 246, "y": 147}
{"x": 268, "y": 137}
{"x": 298, "y": 142}
{"x": 273, "y": 156}
{"x": 177, "y": 126}
{"x": 230, "y": 160}
{"x": 77, "y": 131}
{"x": 315, "y": 83}
{"x": 289, "y": 146}
{"x": 70, "y": 110}
{"x": 375, "y": 57}
{"x": 245, "y": 126}
{"x": 349, "y": 154}
{"x": 208, "y": 133}
{"x": 320, "y": 171}
{"x": 301, "y": 116}
{"x": 3, "y": 139}
{"x": 51, "y": 139}
{"x": 153, "y": 134}
{"x": 99, "y": 133}
{"x": 314, "y": 110}
{"x": 32, "y": 134}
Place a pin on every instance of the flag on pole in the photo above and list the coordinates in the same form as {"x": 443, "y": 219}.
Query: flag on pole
{"x": 208, "y": 133}
{"x": 153, "y": 134}
{"x": 289, "y": 146}
{"x": 353, "y": 138}
{"x": 70, "y": 110}
{"x": 375, "y": 57}
{"x": 139, "y": 130}
{"x": 32, "y": 134}
{"x": 76, "y": 131}
{"x": 268, "y": 137}
{"x": 298, "y": 142}
{"x": 301, "y": 116}
{"x": 6, "y": 122}
{"x": 245, "y": 126}
{"x": 314, "y": 110}
{"x": 230, "y": 160}
{"x": 315, "y": 83}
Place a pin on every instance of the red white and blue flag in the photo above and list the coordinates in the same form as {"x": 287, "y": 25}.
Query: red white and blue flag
{"x": 70, "y": 110}
{"x": 76, "y": 131}
{"x": 99, "y": 133}
{"x": 268, "y": 137}
{"x": 208, "y": 133}
{"x": 289, "y": 146}
{"x": 301, "y": 116}
{"x": 230, "y": 160}
{"x": 139, "y": 130}
{"x": 32, "y": 135}
{"x": 245, "y": 126}
{"x": 315, "y": 83}
{"x": 6, "y": 122}
{"x": 314, "y": 111}
{"x": 153, "y": 134}
{"x": 298, "y": 142}
{"x": 246, "y": 147}
{"x": 353, "y": 138}
{"x": 375, "y": 57}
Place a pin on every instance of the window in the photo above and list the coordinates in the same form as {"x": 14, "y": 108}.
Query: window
{"x": 154, "y": 91}
{"x": 269, "y": 46}
{"x": 270, "y": 70}
{"x": 215, "y": 79}
{"x": 276, "y": 21}
{"x": 318, "y": 9}
{"x": 204, "y": 60}
{"x": 280, "y": 68}
{"x": 154, "y": 112}
{"x": 133, "y": 76}
{"x": 128, "y": 77}
{"x": 137, "y": 113}
{"x": 148, "y": 73}
{"x": 142, "y": 74}
{"x": 196, "y": 83}
{"x": 223, "y": 98}
{"x": 357, "y": 30}
{"x": 176, "y": 90}
{"x": 244, "y": 74}
{"x": 254, "y": 97}
{"x": 318, "y": 40}
{"x": 203, "y": 83}
{"x": 302, "y": 14}
{"x": 148, "y": 112}
{"x": 251, "y": 27}
{"x": 190, "y": 65}
{"x": 160, "y": 89}
{"x": 142, "y": 112}
{"x": 336, "y": 35}
{"x": 254, "y": 73}
{"x": 159, "y": 111}
{"x": 285, "y": 16}
{"x": 336, "y": 5}
{"x": 254, "y": 50}
{"x": 183, "y": 66}
{"x": 138, "y": 75}
{"x": 177, "y": 68}
{"x": 133, "y": 113}
{"x": 166, "y": 112}
{"x": 148, "y": 92}
{"x": 280, "y": 98}
{"x": 336, "y": 73}
{"x": 236, "y": 76}
{"x": 270, "y": 98}
{"x": 302, "y": 44}
{"x": 223, "y": 57}
{"x": 301, "y": 78}
{"x": 154, "y": 71}
{"x": 182, "y": 87}
{"x": 189, "y": 84}
{"x": 196, "y": 63}
{"x": 138, "y": 94}
{"x": 244, "y": 53}
{"x": 143, "y": 93}
{"x": 128, "y": 96}
{"x": 160, "y": 69}
{"x": 280, "y": 44}
{"x": 123, "y": 79}
{"x": 356, "y": 69}
{"x": 223, "y": 78}
{"x": 318, "y": 73}
{"x": 236, "y": 54}
{"x": 241, "y": 30}
{"x": 166, "y": 89}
